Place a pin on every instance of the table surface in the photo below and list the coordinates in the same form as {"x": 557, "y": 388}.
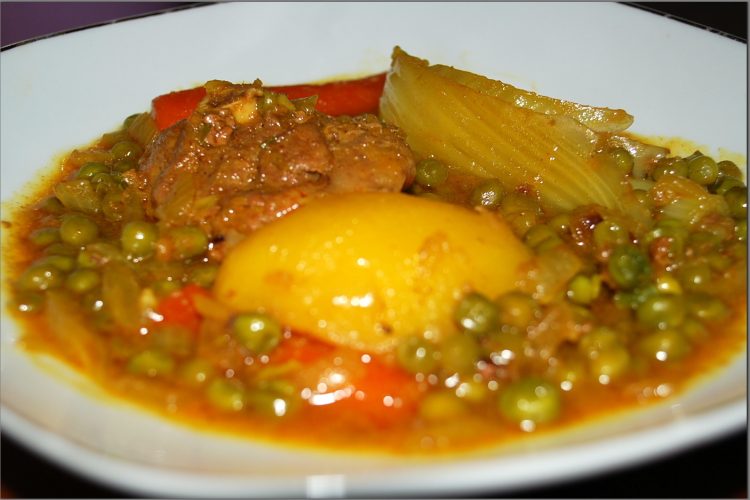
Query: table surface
{"x": 679, "y": 476}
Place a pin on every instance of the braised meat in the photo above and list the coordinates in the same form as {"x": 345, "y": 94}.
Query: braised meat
{"x": 247, "y": 156}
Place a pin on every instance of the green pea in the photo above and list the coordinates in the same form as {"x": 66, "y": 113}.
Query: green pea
{"x": 695, "y": 276}
{"x": 609, "y": 233}
{"x": 151, "y": 363}
{"x": 583, "y": 289}
{"x": 707, "y": 307}
{"x": 97, "y": 254}
{"x": 625, "y": 299}
{"x": 737, "y": 250}
{"x": 476, "y": 313}
{"x": 472, "y": 391}
{"x": 44, "y": 236}
{"x": 28, "y": 302}
{"x": 670, "y": 228}
{"x": 37, "y": 278}
{"x": 502, "y": 346}
{"x": 113, "y": 205}
{"x": 459, "y": 354}
{"x": 727, "y": 183}
{"x": 126, "y": 150}
{"x": 171, "y": 338}
{"x": 138, "y": 238}
{"x": 82, "y": 280}
{"x": 203, "y": 274}
{"x": 560, "y": 224}
{"x": 61, "y": 249}
{"x": 662, "y": 311}
{"x": 521, "y": 222}
{"x": 728, "y": 168}
{"x": 597, "y": 340}
{"x": 666, "y": 283}
{"x": 188, "y": 241}
{"x": 622, "y": 159}
{"x": 78, "y": 230}
{"x": 673, "y": 237}
{"x": 703, "y": 170}
{"x": 610, "y": 364}
{"x": 581, "y": 314}
{"x": 517, "y": 309}
{"x": 165, "y": 287}
{"x": 531, "y": 399}
{"x": 629, "y": 266}
{"x": 417, "y": 355}
{"x": 719, "y": 262}
{"x": 740, "y": 230}
{"x": 514, "y": 203}
{"x": 124, "y": 165}
{"x": 270, "y": 401}
{"x": 644, "y": 293}
{"x": 196, "y": 372}
{"x": 569, "y": 372}
{"x": 537, "y": 235}
{"x": 51, "y": 205}
{"x": 88, "y": 170}
{"x": 550, "y": 244}
{"x": 64, "y": 263}
{"x": 736, "y": 199}
{"x": 226, "y": 395}
{"x": 257, "y": 332}
{"x": 694, "y": 330}
{"x": 704, "y": 243}
{"x": 694, "y": 155}
{"x": 431, "y": 172}
{"x": 442, "y": 406}
{"x": 488, "y": 194}
{"x": 93, "y": 301}
{"x": 105, "y": 183}
{"x": 665, "y": 345}
{"x": 670, "y": 166}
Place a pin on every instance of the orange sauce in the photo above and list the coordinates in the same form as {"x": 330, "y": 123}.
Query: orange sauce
{"x": 341, "y": 425}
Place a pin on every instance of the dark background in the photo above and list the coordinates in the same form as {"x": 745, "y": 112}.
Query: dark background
{"x": 715, "y": 470}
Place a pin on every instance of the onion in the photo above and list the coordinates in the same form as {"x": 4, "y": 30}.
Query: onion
{"x": 493, "y": 130}
{"x": 121, "y": 294}
{"x": 68, "y": 325}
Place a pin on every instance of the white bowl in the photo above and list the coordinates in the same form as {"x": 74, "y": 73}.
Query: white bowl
{"x": 61, "y": 92}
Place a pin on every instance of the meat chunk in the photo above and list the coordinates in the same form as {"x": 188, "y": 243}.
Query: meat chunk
{"x": 247, "y": 156}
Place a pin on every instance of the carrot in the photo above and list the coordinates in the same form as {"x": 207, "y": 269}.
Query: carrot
{"x": 379, "y": 393}
{"x": 178, "y": 308}
{"x": 301, "y": 348}
{"x": 347, "y": 97}
{"x": 170, "y": 108}
{"x": 384, "y": 394}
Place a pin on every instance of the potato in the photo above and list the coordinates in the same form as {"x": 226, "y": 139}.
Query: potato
{"x": 365, "y": 269}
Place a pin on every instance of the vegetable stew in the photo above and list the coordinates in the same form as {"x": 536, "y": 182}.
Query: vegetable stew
{"x": 417, "y": 261}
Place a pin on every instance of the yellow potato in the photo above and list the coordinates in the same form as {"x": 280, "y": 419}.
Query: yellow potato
{"x": 365, "y": 269}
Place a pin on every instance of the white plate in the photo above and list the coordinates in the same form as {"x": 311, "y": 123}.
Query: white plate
{"x": 64, "y": 91}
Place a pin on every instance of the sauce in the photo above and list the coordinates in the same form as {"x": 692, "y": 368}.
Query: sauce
{"x": 607, "y": 315}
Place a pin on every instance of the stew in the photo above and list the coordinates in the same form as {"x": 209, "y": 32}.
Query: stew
{"x": 422, "y": 260}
